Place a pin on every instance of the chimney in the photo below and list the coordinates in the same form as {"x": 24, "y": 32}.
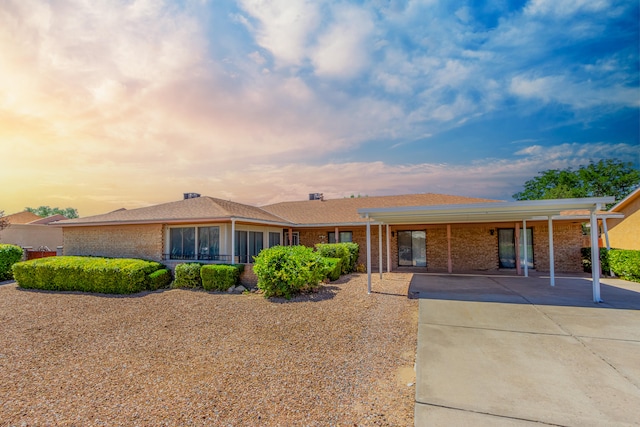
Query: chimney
{"x": 191, "y": 195}
{"x": 316, "y": 196}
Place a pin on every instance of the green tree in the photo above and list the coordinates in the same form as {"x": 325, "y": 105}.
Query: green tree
{"x": 45, "y": 211}
{"x": 604, "y": 178}
{"x": 4, "y": 223}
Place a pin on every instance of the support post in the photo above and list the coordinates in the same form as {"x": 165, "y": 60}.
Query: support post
{"x": 233, "y": 241}
{"x": 388, "y": 250}
{"x": 595, "y": 256}
{"x": 380, "y": 250}
{"x": 552, "y": 273}
{"x": 449, "y": 259}
{"x": 516, "y": 238}
{"x": 337, "y": 234}
{"x": 291, "y": 237}
{"x": 524, "y": 243}
{"x": 368, "y": 255}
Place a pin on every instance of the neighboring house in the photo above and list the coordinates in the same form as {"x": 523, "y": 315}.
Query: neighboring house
{"x": 29, "y": 230}
{"x": 625, "y": 233}
{"x": 207, "y": 229}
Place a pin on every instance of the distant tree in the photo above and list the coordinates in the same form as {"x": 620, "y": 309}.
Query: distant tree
{"x": 604, "y": 178}
{"x": 4, "y": 222}
{"x": 45, "y": 211}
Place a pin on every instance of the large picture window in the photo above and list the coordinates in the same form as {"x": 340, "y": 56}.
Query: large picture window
{"x": 274, "y": 239}
{"x": 194, "y": 243}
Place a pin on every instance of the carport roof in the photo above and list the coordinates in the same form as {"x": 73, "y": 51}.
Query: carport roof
{"x": 483, "y": 212}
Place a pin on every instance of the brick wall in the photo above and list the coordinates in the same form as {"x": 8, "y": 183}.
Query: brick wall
{"x": 567, "y": 241}
{"x": 122, "y": 241}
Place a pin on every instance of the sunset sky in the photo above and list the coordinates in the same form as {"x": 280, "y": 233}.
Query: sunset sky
{"x": 117, "y": 104}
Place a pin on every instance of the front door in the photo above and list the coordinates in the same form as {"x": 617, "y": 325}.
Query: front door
{"x": 412, "y": 248}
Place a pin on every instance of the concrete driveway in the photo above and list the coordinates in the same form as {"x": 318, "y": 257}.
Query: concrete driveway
{"x": 513, "y": 351}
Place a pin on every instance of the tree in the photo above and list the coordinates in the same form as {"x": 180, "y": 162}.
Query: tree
{"x": 45, "y": 211}
{"x": 604, "y": 178}
{"x": 4, "y": 222}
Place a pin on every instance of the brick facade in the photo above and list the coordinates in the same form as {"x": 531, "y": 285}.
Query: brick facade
{"x": 122, "y": 241}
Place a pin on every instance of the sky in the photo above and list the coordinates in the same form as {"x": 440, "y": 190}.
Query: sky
{"x": 105, "y": 105}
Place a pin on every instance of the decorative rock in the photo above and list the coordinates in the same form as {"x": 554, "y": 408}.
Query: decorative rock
{"x": 231, "y": 289}
{"x": 240, "y": 288}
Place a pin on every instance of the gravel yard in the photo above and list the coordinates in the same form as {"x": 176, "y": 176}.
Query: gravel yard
{"x": 338, "y": 357}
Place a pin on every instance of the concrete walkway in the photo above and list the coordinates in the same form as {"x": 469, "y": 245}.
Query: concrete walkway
{"x": 513, "y": 351}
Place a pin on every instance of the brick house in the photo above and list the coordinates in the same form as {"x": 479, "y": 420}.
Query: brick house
{"x": 207, "y": 229}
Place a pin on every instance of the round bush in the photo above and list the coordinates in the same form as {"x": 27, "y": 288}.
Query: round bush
{"x": 9, "y": 255}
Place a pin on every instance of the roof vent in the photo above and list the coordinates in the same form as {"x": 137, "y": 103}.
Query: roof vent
{"x": 191, "y": 195}
{"x": 316, "y": 196}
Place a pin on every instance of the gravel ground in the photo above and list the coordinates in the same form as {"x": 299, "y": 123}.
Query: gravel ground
{"x": 191, "y": 358}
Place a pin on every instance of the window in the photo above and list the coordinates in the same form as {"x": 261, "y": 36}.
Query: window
{"x": 241, "y": 246}
{"x": 507, "y": 247}
{"x": 295, "y": 238}
{"x": 208, "y": 242}
{"x": 274, "y": 239}
{"x": 183, "y": 242}
{"x": 255, "y": 244}
{"x": 412, "y": 248}
{"x": 345, "y": 237}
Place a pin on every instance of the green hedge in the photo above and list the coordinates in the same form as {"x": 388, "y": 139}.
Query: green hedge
{"x": 9, "y": 255}
{"x": 348, "y": 252}
{"x": 86, "y": 274}
{"x": 288, "y": 270}
{"x": 188, "y": 275}
{"x": 586, "y": 260}
{"x": 334, "y": 268}
{"x": 160, "y": 279}
{"x": 625, "y": 263}
{"x": 220, "y": 277}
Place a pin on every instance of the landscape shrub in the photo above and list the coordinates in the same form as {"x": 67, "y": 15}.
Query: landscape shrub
{"x": 333, "y": 268}
{"x": 604, "y": 260}
{"x": 354, "y": 250}
{"x": 348, "y": 252}
{"x": 288, "y": 270}
{"x": 9, "y": 255}
{"x": 220, "y": 277}
{"x": 86, "y": 274}
{"x": 336, "y": 250}
{"x": 625, "y": 263}
{"x": 160, "y": 279}
{"x": 188, "y": 275}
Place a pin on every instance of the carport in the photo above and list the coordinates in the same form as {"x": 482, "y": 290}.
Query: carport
{"x": 518, "y": 211}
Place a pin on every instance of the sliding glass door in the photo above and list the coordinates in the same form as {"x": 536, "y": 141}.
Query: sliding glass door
{"x": 412, "y": 248}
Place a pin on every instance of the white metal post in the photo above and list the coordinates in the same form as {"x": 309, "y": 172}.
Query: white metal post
{"x": 368, "y": 255}
{"x": 525, "y": 244}
{"x": 595, "y": 256}
{"x": 233, "y": 241}
{"x": 388, "y": 250}
{"x": 552, "y": 275}
{"x": 380, "y": 250}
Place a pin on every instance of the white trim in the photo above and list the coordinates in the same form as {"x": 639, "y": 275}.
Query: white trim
{"x": 595, "y": 258}
{"x": 368, "y": 255}
{"x": 380, "y": 249}
{"x": 388, "y": 249}
{"x": 552, "y": 272}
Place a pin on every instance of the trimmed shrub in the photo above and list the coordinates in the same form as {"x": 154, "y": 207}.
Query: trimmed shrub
{"x": 288, "y": 270}
{"x": 9, "y": 255}
{"x": 86, "y": 274}
{"x": 333, "y": 268}
{"x": 220, "y": 277}
{"x": 336, "y": 250}
{"x": 604, "y": 260}
{"x": 188, "y": 276}
{"x": 160, "y": 279}
{"x": 354, "y": 250}
{"x": 625, "y": 263}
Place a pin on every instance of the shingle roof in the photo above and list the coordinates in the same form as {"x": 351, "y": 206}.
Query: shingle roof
{"x": 196, "y": 209}
{"x": 23, "y": 217}
{"x": 340, "y": 211}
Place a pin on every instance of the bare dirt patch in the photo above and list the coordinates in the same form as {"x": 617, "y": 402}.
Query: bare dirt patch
{"x": 187, "y": 358}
